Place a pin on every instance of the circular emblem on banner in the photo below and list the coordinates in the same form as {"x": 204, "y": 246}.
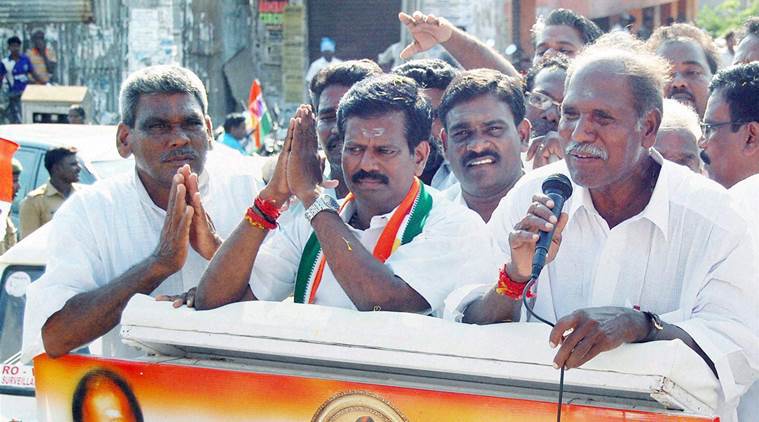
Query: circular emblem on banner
{"x": 16, "y": 283}
{"x": 357, "y": 406}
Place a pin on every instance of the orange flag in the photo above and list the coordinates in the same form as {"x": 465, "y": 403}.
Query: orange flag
{"x": 7, "y": 149}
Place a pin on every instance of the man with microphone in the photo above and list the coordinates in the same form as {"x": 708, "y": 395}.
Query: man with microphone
{"x": 644, "y": 250}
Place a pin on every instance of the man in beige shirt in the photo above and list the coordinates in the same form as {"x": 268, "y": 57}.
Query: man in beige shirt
{"x": 40, "y": 204}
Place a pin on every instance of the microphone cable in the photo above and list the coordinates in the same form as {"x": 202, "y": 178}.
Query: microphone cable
{"x": 526, "y": 305}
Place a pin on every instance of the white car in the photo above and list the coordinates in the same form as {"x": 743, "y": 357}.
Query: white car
{"x": 25, "y": 262}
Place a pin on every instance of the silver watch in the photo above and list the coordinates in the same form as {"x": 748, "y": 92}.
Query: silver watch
{"x": 322, "y": 203}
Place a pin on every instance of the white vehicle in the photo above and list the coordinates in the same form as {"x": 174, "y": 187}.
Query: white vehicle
{"x": 25, "y": 262}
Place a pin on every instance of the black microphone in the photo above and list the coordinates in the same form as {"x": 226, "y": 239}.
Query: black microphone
{"x": 559, "y": 189}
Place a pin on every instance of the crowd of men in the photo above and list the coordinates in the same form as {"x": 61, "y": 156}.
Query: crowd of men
{"x": 431, "y": 200}
{"x": 19, "y": 69}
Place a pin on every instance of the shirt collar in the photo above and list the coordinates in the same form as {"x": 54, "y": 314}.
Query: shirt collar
{"x": 375, "y": 222}
{"x": 50, "y": 190}
{"x": 657, "y": 210}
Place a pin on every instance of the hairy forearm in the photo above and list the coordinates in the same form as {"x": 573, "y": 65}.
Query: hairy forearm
{"x": 492, "y": 308}
{"x": 92, "y": 314}
{"x": 473, "y": 54}
{"x": 366, "y": 281}
{"x": 227, "y": 276}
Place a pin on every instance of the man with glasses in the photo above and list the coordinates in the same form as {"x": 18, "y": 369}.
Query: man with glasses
{"x": 731, "y": 150}
{"x": 544, "y": 89}
{"x": 731, "y": 126}
{"x": 694, "y": 59}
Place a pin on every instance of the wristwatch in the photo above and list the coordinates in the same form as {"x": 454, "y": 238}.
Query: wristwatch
{"x": 655, "y": 326}
{"x": 322, "y": 203}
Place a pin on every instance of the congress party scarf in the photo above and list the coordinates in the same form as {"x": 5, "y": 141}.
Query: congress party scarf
{"x": 416, "y": 205}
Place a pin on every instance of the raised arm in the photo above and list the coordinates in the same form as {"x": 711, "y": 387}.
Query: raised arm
{"x": 228, "y": 275}
{"x": 429, "y": 30}
{"x": 493, "y": 307}
{"x": 368, "y": 283}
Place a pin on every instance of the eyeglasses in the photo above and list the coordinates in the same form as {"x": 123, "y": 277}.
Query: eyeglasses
{"x": 541, "y": 101}
{"x": 708, "y": 129}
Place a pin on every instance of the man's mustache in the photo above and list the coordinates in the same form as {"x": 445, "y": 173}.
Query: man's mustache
{"x": 581, "y": 148}
{"x": 180, "y": 152}
{"x": 333, "y": 139}
{"x": 677, "y": 91}
{"x": 373, "y": 175}
{"x": 705, "y": 157}
{"x": 471, "y": 156}
{"x": 542, "y": 126}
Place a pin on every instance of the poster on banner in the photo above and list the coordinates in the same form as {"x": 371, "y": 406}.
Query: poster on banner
{"x": 168, "y": 392}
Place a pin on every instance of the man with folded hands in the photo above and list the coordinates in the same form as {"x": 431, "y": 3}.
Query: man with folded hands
{"x": 393, "y": 244}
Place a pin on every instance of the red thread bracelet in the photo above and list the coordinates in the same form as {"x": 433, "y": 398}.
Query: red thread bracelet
{"x": 508, "y": 287}
{"x": 257, "y": 220}
{"x": 267, "y": 208}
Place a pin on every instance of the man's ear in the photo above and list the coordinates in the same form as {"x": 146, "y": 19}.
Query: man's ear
{"x": 444, "y": 141}
{"x": 209, "y": 131}
{"x": 421, "y": 153}
{"x": 524, "y": 129}
{"x": 751, "y": 145}
{"x": 122, "y": 142}
{"x": 651, "y": 122}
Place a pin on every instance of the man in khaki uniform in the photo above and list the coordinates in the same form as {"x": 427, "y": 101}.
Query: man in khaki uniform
{"x": 10, "y": 229}
{"x": 40, "y": 204}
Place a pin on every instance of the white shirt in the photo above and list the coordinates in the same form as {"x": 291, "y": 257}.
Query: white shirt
{"x": 434, "y": 263}
{"x": 103, "y": 230}
{"x": 746, "y": 195}
{"x": 455, "y": 195}
{"x": 687, "y": 257}
{"x": 318, "y": 65}
{"x": 444, "y": 177}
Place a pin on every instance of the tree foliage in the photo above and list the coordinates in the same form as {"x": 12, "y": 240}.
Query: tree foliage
{"x": 726, "y": 16}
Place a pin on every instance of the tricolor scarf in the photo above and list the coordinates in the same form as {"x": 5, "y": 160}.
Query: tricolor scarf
{"x": 416, "y": 205}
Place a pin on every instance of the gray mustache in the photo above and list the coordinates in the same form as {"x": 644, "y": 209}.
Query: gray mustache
{"x": 181, "y": 152}
{"x": 592, "y": 150}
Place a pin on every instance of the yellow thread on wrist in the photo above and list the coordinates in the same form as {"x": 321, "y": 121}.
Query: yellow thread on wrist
{"x": 254, "y": 223}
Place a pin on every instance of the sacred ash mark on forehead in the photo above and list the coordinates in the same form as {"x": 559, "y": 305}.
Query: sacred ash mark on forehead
{"x": 373, "y": 132}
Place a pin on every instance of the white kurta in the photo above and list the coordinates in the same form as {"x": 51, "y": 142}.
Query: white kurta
{"x": 455, "y": 195}
{"x": 687, "y": 256}
{"x": 444, "y": 177}
{"x": 107, "y": 228}
{"x": 318, "y": 65}
{"x": 434, "y": 263}
{"x": 746, "y": 195}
